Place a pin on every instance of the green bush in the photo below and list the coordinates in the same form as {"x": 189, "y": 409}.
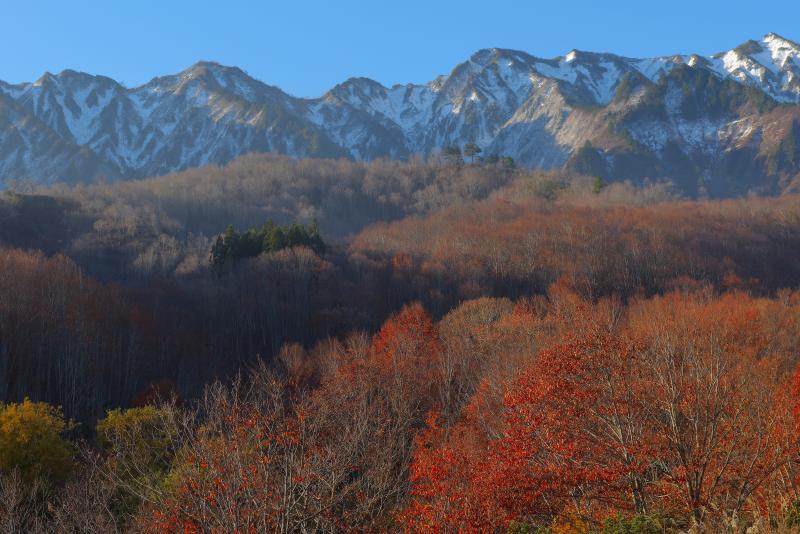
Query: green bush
{"x": 638, "y": 524}
{"x": 523, "y": 528}
{"x": 792, "y": 515}
{"x": 140, "y": 444}
{"x": 140, "y": 436}
{"x": 32, "y": 442}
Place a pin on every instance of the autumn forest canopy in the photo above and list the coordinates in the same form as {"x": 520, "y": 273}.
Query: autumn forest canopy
{"x": 304, "y": 345}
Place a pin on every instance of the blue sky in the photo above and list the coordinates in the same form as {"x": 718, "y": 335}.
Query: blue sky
{"x": 306, "y": 47}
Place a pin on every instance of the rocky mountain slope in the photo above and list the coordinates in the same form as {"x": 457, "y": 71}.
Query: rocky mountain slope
{"x": 723, "y": 125}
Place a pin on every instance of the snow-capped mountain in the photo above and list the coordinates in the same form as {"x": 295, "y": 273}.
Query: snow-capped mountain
{"x": 724, "y": 123}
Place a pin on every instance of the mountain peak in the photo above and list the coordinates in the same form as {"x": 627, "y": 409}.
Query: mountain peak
{"x": 211, "y": 76}
{"x": 71, "y": 73}
{"x": 203, "y": 68}
{"x": 44, "y": 79}
{"x": 772, "y": 37}
{"x": 84, "y": 78}
{"x": 483, "y": 56}
{"x": 486, "y": 56}
{"x": 356, "y": 87}
{"x": 204, "y": 63}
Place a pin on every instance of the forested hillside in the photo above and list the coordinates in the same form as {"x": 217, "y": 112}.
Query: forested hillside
{"x": 325, "y": 345}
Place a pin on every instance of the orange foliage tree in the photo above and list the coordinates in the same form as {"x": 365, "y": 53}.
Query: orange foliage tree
{"x": 683, "y": 406}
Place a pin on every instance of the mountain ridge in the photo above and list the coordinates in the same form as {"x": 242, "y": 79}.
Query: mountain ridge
{"x": 644, "y": 118}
